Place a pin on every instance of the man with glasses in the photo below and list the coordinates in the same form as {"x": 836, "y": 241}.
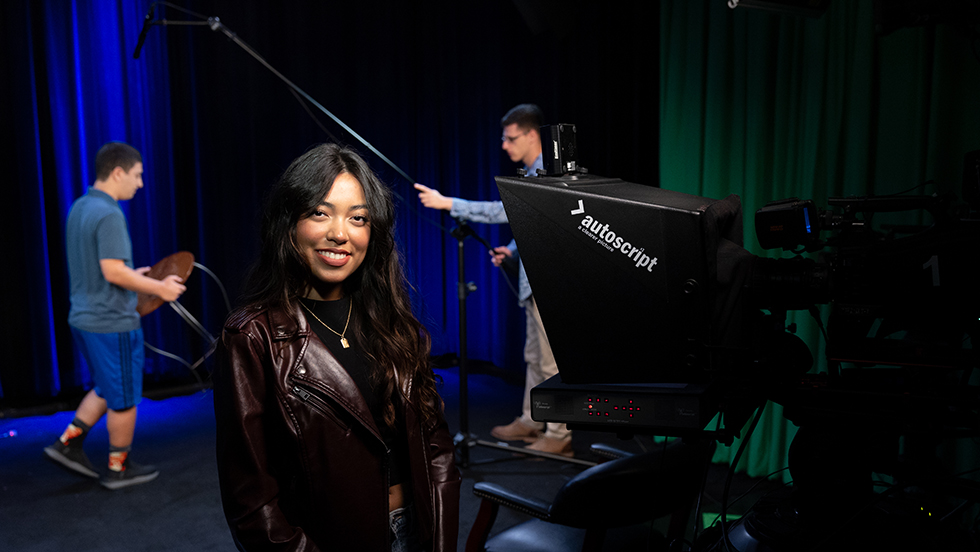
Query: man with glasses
{"x": 522, "y": 142}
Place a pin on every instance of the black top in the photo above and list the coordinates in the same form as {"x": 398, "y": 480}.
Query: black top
{"x": 334, "y": 314}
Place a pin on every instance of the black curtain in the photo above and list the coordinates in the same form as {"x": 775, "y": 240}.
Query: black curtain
{"x": 425, "y": 82}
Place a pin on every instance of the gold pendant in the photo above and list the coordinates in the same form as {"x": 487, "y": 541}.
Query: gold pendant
{"x": 343, "y": 341}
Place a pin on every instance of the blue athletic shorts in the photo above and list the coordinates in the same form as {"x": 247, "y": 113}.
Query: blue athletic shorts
{"x": 116, "y": 363}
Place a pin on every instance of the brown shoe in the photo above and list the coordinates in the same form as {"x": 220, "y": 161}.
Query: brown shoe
{"x": 561, "y": 447}
{"x": 516, "y": 431}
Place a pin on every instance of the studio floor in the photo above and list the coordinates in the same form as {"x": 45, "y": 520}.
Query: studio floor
{"x": 45, "y": 508}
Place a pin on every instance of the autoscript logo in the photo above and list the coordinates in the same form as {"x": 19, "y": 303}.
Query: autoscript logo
{"x": 600, "y": 232}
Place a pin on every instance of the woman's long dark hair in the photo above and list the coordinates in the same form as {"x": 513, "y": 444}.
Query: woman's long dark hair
{"x": 384, "y": 326}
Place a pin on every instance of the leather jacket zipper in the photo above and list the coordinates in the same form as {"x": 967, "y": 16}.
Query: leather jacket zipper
{"x": 317, "y": 402}
{"x": 323, "y": 405}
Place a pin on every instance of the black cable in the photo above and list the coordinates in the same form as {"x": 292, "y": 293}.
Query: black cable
{"x": 196, "y": 326}
{"x": 752, "y": 488}
{"x": 224, "y": 294}
{"x": 917, "y": 186}
{"x": 190, "y": 368}
{"x": 697, "y": 507}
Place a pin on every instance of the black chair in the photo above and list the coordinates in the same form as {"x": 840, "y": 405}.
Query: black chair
{"x": 629, "y": 491}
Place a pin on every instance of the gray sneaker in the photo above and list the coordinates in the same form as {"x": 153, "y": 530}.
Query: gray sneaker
{"x": 131, "y": 474}
{"x": 72, "y": 458}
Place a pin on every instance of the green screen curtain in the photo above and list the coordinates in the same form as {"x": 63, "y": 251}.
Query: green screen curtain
{"x": 770, "y": 106}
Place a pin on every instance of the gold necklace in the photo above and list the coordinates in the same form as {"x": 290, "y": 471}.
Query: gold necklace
{"x": 343, "y": 340}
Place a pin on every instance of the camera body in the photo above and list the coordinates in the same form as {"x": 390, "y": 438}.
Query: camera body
{"x": 902, "y": 297}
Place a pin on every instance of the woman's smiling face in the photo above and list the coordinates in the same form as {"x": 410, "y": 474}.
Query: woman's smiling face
{"x": 334, "y": 239}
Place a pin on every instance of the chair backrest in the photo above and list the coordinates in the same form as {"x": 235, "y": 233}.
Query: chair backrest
{"x": 634, "y": 489}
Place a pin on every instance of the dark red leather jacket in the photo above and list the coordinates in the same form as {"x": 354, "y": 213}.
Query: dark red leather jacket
{"x": 300, "y": 461}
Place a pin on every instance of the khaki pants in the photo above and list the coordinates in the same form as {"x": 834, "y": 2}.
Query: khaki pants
{"x": 541, "y": 365}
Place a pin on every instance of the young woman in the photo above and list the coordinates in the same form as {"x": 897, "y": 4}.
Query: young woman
{"x": 330, "y": 433}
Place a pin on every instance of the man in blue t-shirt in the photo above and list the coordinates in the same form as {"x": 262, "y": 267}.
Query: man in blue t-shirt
{"x": 103, "y": 317}
{"x": 522, "y": 142}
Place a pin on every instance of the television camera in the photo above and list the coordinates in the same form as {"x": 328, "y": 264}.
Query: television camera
{"x": 649, "y": 298}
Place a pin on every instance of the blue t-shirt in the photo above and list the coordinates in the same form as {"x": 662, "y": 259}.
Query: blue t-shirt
{"x": 96, "y": 229}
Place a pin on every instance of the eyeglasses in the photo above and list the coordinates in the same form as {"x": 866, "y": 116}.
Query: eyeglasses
{"x": 512, "y": 139}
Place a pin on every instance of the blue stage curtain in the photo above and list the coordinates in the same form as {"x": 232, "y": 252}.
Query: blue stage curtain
{"x": 73, "y": 85}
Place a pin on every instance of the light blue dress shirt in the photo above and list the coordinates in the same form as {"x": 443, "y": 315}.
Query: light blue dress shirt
{"x": 492, "y": 212}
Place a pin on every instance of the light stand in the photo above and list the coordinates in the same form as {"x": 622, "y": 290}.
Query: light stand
{"x": 464, "y": 288}
{"x": 464, "y": 440}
